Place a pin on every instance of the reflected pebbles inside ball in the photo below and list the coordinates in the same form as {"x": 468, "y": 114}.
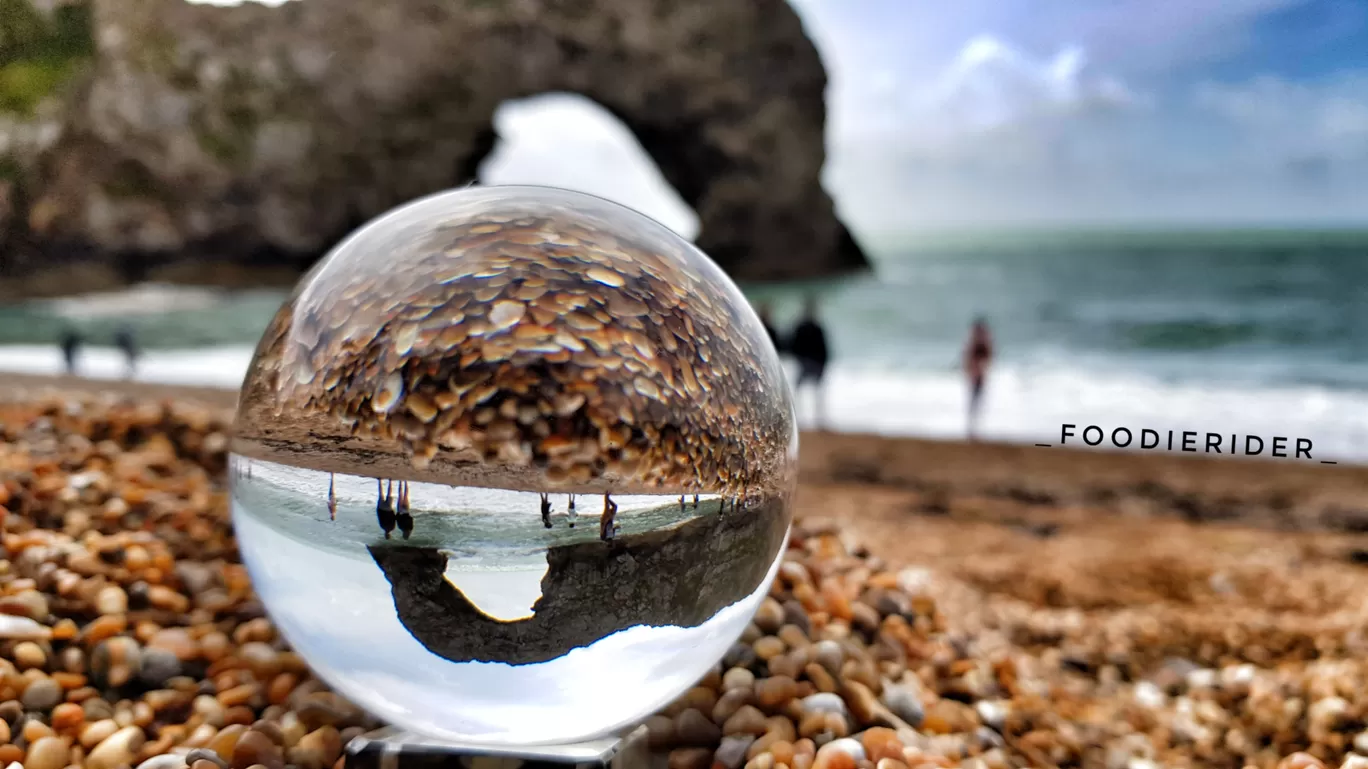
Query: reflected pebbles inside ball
{"x": 513, "y": 465}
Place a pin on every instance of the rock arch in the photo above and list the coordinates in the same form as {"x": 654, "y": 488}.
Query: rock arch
{"x": 254, "y": 135}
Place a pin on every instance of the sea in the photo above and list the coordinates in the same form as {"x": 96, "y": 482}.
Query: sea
{"x": 1240, "y": 333}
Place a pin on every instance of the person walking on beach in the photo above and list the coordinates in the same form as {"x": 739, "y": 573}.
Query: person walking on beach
{"x": 808, "y": 345}
{"x": 123, "y": 339}
{"x": 384, "y": 506}
{"x": 71, "y": 347}
{"x": 978, "y": 354}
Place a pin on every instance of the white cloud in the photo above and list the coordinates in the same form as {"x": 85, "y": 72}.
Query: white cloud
{"x": 1329, "y": 118}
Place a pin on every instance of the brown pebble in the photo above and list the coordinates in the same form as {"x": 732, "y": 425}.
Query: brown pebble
{"x": 111, "y": 600}
{"x": 95, "y": 733}
{"x": 118, "y": 750}
{"x": 775, "y": 692}
{"x": 237, "y": 695}
{"x": 746, "y": 720}
{"x": 693, "y": 729}
{"x": 768, "y": 647}
{"x": 48, "y": 753}
{"x": 68, "y": 716}
{"x": 317, "y": 749}
{"x": 738, "y": 678}
{"x": 35, "y": 730}
{"x": 28, "y": 654}
{"x": 254, "y": 747}
{"x": 769, "y": 616}
{"x": 820, "y": 678}
{"x": 690, "y": 758}
{"x": 730, "y": 702}
{"x": 227, "y": 738}
{"x": 660, "y": 732}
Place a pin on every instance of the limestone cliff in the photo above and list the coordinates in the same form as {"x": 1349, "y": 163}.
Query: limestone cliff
{"x": 162, "y": 139}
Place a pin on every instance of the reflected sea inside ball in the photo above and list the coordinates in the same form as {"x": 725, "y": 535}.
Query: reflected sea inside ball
{"x": 513, "y": 465}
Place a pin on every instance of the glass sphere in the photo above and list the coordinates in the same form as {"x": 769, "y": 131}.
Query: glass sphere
{"x": 513, "y": 465}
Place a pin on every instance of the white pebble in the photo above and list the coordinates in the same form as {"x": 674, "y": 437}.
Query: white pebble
{"x": 1149, "y": 695}
{"x": 849, "y": 746}
{"x": 824, "y": 702}
{"x": 22, "y": 629}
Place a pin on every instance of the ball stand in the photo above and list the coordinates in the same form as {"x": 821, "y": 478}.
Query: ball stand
{"x": 391, "y": 748}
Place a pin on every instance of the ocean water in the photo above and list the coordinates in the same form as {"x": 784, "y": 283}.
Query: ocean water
{"x": 1254, "y": 332}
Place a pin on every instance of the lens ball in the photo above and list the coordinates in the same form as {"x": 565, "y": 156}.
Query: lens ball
{"x": 513, "y": 466}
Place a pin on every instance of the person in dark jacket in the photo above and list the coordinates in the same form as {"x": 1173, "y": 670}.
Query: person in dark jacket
{"x": 123, "y": 339}
{"x": 808, "y": 346}
{"x": 71, "y": 347}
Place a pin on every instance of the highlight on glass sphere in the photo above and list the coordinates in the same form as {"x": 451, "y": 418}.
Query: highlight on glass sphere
{"x": 513, "y": 465}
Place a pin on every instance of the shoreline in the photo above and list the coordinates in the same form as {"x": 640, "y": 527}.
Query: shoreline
{"x": 1281, "y": 494}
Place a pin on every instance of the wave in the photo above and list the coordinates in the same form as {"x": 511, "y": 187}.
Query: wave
{"x": 1022, "y": 404}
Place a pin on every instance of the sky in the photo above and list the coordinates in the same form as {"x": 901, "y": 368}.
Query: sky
{"x": 1010, "y": 113}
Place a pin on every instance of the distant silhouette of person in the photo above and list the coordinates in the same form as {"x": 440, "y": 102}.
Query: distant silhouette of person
{"x": 978, "y": 355}
{"x": 608, "y": 527}
{"x": 123, "y": 339}
{"x": 384, "y": 507}
{"x": 403, "y": 517}
{"x": 71, "y": 348}
{"x": 808, "y": 345}
{"x": 332, "y": 497}
{"x": 763, "y": 310}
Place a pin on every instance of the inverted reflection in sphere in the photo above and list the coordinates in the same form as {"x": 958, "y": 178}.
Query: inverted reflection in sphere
{"x": 513, "y": 465}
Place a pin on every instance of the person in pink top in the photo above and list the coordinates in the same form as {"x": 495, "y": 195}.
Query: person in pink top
{"x": 978, "y": 354}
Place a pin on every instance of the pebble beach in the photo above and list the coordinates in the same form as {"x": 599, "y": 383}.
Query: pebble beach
{"x": 940, "y": 605}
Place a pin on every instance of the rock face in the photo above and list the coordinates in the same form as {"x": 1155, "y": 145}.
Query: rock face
{"x": 200, "y": 143}
{"x": 678, "y": 577}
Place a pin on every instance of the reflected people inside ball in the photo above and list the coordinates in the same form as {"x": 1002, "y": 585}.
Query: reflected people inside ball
{"x": 442, "y": 402}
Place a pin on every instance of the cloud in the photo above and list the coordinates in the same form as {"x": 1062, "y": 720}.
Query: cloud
{"x": 1329, "y": 117}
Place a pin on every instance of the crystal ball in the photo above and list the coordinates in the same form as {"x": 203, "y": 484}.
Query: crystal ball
{"x": 513, "y": 466}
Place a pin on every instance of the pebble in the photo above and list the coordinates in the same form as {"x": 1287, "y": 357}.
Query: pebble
{"x": 28, "y": 654}
{"x": 23, "y": 629}
{"x": 746, "y": 720}
{"x": 145, "y": 626}
{"x": 254, "y": 748}
{"x": 47, "y": 753}
{"x": 731, "y": 753}
{"x": 824, "y": 702}
{"x": 769, "y": 617}
{"x": 693, "y": 729}
{"x": 830, "y": 656}
{"x": 119, "y": 749}
{"x": 904, "y": 703}
{"x": 165, "y": 761}
{"x": 157, "y": 666}
{"x": 42, "y": 695}
{"x": 111, "y": 600}
{"x": 205, "y": 755}
{"x": 690, "y": 758}
{"x": 318, "y": 749}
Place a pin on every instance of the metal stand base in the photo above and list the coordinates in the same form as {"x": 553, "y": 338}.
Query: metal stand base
{"x": 391, "y": 748}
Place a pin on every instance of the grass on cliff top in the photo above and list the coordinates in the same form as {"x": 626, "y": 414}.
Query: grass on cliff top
{"x": 37, "y": 54}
